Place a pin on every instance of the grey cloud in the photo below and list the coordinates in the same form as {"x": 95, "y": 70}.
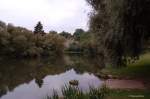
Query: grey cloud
{"x": 56, "y": 15}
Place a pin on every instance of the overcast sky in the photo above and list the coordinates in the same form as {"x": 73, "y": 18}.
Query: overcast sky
{"x": 56, "y": 15}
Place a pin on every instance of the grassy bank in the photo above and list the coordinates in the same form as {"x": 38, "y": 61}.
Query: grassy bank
{"x": 137, "y": 70}
{"x": 129, "y": 94}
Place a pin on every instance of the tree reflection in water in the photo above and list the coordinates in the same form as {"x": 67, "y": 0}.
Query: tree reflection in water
{"x": 16, "y": 72}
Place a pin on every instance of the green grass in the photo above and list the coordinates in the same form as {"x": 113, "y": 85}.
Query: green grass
{"x": 129, "y": 94}
{"x": 139, "y": 69}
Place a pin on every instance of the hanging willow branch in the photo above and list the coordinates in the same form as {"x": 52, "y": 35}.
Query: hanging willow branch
{"x": 121, "y": 28}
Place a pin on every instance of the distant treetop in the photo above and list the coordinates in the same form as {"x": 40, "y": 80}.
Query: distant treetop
{"x": 38, "y": 29}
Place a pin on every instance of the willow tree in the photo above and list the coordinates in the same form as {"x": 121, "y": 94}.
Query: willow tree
{"x": 121, "y": 28}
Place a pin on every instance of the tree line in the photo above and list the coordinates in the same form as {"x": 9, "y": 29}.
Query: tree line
{"x": 16, "y": 41}
{"x": 20, "y": 42}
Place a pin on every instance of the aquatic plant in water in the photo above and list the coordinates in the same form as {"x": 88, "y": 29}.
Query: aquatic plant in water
{"x": 73, "y": 92}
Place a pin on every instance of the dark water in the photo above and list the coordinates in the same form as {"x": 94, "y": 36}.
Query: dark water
{"x": 35, "y": 79}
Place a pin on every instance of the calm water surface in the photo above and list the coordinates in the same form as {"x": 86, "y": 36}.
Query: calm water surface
{"x": 35, "y": 79}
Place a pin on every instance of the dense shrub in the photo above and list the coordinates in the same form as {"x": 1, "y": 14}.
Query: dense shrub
{"x": 74, "y": 47}
{"x": 84, "y": 44}
{"x": 20, "y": 42}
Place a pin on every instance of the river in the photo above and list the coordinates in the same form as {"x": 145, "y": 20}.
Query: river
{"x": 37, "y": 78}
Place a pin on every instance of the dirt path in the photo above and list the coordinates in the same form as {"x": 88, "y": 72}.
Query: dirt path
{"x": 124, "y": 84}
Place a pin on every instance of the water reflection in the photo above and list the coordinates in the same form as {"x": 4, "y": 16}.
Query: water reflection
{"x": 34, "y": 79}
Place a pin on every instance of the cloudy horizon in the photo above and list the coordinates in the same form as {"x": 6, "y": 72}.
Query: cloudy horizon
{"x": 58, "y": 15}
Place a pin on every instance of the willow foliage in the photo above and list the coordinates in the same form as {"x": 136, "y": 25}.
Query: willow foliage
{"x": 121, "y": 28}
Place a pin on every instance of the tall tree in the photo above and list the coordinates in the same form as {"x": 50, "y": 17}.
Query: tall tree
{"x": 39, "y": 28}
{"x": 66, "y": 34}
{"x": 121, "y": 28}
{"x": 78, "y": 33}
